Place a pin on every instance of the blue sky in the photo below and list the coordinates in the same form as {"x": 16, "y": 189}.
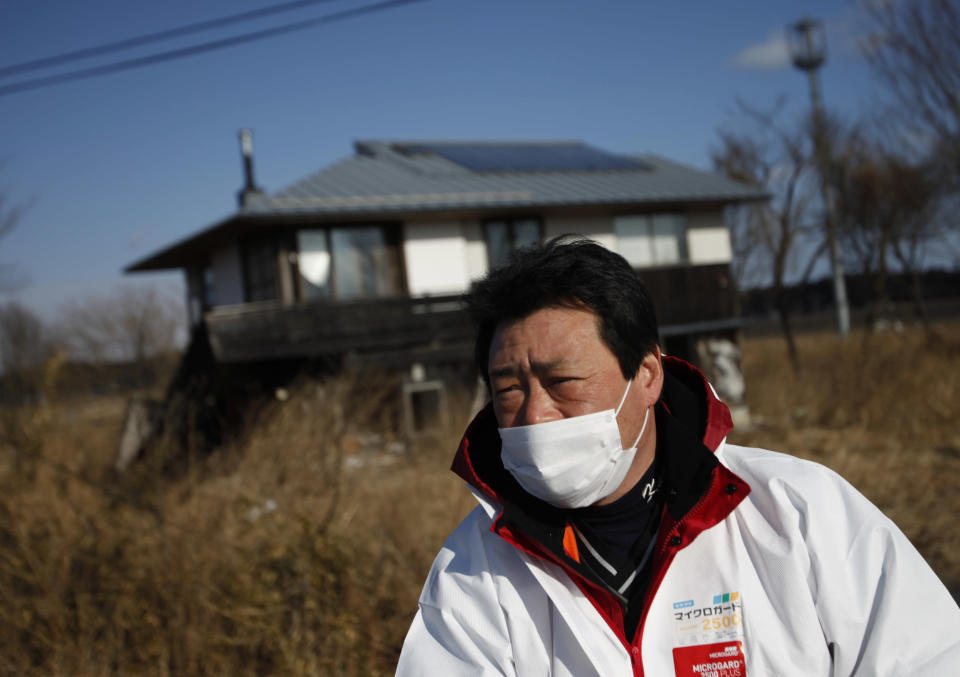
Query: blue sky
{"x": 116, "y": 167}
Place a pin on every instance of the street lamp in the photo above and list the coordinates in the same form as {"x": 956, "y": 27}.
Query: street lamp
{"x": 808, "y": 49}
{"x": 808, "y": 44}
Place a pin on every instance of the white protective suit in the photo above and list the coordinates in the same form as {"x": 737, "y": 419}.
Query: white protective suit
{"x": 780, "y": 568}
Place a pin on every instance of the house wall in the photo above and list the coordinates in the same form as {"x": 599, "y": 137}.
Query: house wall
{"x": 227, "y": 276}
{"x": 476, "y": 249}
{"x": 436, "y": 256}
{"x": 708, "y": 240}
{"x": 443, "y": 257}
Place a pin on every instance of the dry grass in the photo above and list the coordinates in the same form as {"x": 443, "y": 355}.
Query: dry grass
{"x": 302, "y": 550}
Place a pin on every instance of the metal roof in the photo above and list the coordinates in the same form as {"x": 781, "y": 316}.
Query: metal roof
{"x": 397, "y": 177}
{"x": 421, "y": 176}
{"x": 494, "y": 157}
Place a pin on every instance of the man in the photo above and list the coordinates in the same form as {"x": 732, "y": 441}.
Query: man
{"x": 617, "y": 532}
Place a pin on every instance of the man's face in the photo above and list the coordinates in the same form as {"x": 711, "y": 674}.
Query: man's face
{"x": 553, "y": 365}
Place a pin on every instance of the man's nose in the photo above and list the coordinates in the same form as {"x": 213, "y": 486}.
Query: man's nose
{"x": 538, "y": 407}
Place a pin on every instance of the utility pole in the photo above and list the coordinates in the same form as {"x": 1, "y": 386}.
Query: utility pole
{"x": 807, "y": 42}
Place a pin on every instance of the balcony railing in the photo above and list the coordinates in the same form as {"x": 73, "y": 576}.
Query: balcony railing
{"x": 426, "y": 329}
{"x": 400, "y": 331}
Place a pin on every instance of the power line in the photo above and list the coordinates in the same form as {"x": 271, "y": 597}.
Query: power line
{"x": 201, "y": 48}
{"x": 148, "y": 38}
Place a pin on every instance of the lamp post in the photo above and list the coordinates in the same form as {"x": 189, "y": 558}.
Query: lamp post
{"x": 808, "y": 48}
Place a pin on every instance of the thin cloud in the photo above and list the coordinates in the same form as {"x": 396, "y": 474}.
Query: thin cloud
{"x": 771, "y": 54}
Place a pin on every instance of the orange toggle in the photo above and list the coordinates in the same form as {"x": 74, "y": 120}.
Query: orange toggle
{"x": 570, "y": 544}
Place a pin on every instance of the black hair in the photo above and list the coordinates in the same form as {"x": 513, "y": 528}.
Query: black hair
{"x": 567, "y": 272}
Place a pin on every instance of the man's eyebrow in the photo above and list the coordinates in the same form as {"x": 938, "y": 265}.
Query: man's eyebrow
{"x": 500, "y": 372}
{"x": 544, "y": 367}
{"x": 536, "y": 367}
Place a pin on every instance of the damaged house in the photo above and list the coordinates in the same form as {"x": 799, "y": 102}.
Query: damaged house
{"x": 365, "y": 260}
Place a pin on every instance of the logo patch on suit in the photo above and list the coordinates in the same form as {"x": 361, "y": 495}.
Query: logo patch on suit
{"x": 724, "y": 659}
{"x": 708, "y": 637}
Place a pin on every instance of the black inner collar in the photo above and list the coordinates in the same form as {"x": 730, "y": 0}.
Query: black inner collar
{"x": 616, "y": 528}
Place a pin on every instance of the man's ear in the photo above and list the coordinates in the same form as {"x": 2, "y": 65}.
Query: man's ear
{"x": 650, "y": 376}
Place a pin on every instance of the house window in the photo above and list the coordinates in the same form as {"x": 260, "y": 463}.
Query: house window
{"x": 647, "y": 240}
{"x": 505, "y": 235}
{"x": 313, "y": 264}
{"x": 366, "y": 263}
{"x": 260, "y": 270}
{"x": 349, "y": 262}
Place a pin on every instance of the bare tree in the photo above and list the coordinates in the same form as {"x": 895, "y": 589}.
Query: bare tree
{"x": 24, "y": 348}
{"x": 886, "y": 206}
{"x": 30, "y": 364}
{"x": 132, "y": 324}
{"x": 918, "y": 225}
{"x": 914, "y": 48}
{"x": 744, "y": 222}
{"x": 767, "y": 235}
{"x": 10, "y": 214}
{"x": 865, "y": 213}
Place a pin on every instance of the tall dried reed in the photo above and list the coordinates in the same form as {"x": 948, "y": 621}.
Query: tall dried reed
{"x": 300, "y": 551}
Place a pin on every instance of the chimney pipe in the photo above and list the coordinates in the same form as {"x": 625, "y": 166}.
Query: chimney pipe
{"x": 249, "y": 192}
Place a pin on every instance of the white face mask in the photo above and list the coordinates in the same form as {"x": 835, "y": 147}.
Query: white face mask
{"x": 571, "y": 462}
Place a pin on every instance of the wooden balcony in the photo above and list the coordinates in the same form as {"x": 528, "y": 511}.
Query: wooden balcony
{"x": 401, "y": 331}
{"x": 376, "y": 331}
